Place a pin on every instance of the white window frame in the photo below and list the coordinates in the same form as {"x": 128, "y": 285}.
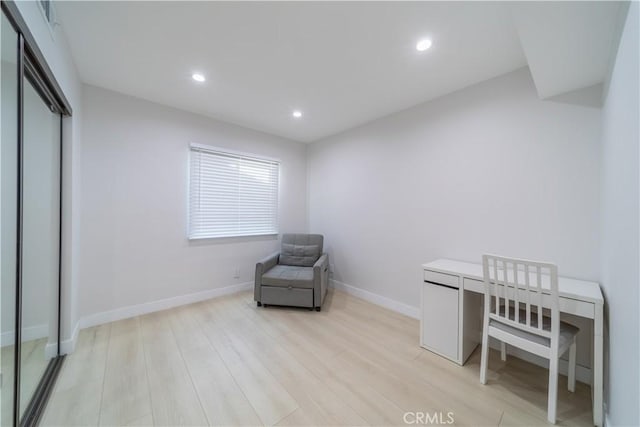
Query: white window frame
{"x": 240, "y": 155}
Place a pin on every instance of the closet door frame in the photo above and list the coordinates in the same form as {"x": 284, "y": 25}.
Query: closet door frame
{"x": 32, "y": 66}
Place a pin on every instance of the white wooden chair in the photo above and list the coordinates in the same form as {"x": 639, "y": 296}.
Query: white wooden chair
{"x": 516, "y": 292}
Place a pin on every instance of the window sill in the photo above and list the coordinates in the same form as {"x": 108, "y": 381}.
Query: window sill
{"x": 232, "y": 239}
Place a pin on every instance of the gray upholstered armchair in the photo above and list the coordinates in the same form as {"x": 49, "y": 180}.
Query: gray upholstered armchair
{"x": 298, "y": 275}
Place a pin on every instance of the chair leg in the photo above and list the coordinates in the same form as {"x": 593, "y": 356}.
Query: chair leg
{"x": 572, "y": 367}
{"x": 503, "y": 351}
{"x": 553, "y": 390}
{"x": 484, "y": 356}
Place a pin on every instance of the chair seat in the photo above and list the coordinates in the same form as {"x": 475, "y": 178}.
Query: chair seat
{"x": 285, "y": 276}
{"x": 567, "y": 331}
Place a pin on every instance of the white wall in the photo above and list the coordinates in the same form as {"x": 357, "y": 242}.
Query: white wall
{"x": 620, "y": 228}
{"x": 56, "y": 52}
{"x": 134, "y": 203}
{"x": 490, "y": 168}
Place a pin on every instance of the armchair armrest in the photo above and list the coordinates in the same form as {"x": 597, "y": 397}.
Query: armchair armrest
{"x": 268, "y": 262}
{"x": 321, "y": 264}
{"x": 265, "y": 264}
{"x": 320, "y": 279}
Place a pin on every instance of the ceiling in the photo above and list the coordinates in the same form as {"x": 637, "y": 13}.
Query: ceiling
{"x": 568, "y": 45}
{"x": 340, "y": 63}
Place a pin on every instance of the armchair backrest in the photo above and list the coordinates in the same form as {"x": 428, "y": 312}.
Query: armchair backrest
{"x": 301, "y": 249}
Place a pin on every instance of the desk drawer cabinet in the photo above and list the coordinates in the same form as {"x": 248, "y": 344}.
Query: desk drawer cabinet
{"x": 440, "y": 316}
{"x": 450, "y": 322}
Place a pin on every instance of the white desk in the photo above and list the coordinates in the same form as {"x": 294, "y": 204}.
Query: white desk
{"x": 577, "y": 297}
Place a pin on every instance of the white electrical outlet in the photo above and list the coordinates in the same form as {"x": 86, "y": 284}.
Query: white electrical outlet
{"x": 236, "y": 274}
{"x": 331, "y": 268}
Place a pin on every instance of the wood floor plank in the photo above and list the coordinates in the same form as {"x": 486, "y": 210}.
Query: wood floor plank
{"x": 145, "y": 421}
{"x": 389, "y": 322}
{"x": 415, "y": 396}
{"x": 314, "y": 397}
{"x": 267, "y": 396}
{"x": 174, "y": 400}
{"x": 305, "y": 417}
{"x": 365, "y": 404}
{"x": 125, "y": 395}
{"x": 368, "y": 402}
{"x": 223, "y": 401}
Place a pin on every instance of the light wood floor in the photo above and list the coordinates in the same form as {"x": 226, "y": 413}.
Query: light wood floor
{"x": 227, "y": 362}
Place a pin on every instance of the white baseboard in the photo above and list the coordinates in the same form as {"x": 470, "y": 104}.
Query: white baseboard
{"x": 163, "y": 304}
{"x": 28, "y": 334}
{"x": 583, "y": 373}
{"x": 69, "y": 345}
{"x": 376, "y": 299}
{"x": 66, "y": 346}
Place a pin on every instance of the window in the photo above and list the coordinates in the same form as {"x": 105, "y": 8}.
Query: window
{"x": 231, "y": 194}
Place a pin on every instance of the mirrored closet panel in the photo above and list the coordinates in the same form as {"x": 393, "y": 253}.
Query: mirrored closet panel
{"x": 32, "y": 111}
{"x": 40, "y": 240}
{"x": 8, "y": 215}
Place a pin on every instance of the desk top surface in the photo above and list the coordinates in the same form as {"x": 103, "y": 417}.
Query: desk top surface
{"x": 570, "y": 288}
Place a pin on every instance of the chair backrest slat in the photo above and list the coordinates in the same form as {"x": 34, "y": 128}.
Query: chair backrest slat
{"x": 505, "y": 287}
{"x": 509, "y": 284}
{"x": 539, "y": 291}
{"x": 495, "y": 274}
{"x": 527, "y": 293}
{"x": 516, "y": 293}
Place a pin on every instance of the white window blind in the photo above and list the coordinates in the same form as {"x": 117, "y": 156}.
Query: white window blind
{"x": 231, "y": 194}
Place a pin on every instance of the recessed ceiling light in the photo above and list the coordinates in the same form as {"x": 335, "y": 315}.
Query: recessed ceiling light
{"x": 297, "y": 114}
{"x": 423, "y": 45}
{"x": 198, "y": 77}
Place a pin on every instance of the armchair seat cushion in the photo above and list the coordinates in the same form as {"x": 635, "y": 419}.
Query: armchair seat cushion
{"x": 285, "y": 276}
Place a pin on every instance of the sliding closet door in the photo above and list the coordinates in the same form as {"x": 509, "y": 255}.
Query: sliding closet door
{"x": 8, "y": 215}
{"x": 30, "y": 216}
{"x": 40, "y": 240}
